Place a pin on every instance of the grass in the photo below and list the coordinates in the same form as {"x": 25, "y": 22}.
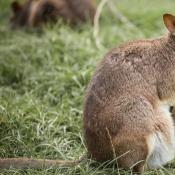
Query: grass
{"x": 43, "y": 78}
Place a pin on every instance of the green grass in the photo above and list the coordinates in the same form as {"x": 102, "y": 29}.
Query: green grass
{"x": 43, "y": 78}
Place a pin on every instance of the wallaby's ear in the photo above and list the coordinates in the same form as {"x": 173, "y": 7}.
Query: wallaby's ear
{"x": 169, "y": 21}
{"x": 16, "y": 7}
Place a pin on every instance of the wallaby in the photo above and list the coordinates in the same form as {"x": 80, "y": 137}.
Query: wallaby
{"x": 35, "y": 13}
{"x": 126, "y": 109}
{"x": 126, "y": 112}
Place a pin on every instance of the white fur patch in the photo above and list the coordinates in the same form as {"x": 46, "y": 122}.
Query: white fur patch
{"x": 161, "y": 152}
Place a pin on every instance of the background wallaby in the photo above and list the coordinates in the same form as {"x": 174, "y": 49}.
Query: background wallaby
{"x": 34, "y": 13}
{"x": 126, "y": 110}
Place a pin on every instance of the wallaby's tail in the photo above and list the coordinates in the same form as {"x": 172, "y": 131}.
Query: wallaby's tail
{"x": 21, "y": 163}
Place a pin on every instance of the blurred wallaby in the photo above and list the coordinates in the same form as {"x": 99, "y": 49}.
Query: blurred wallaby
{"x": 126, "y": 110}
{"x": 34, "y": 13}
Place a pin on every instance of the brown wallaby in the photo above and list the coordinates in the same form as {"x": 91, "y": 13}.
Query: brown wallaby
{"x": 126, "y": 110}
{"x": 34, "y": 13}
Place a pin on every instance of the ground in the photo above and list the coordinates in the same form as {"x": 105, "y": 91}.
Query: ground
{"x": 43, "y": 77}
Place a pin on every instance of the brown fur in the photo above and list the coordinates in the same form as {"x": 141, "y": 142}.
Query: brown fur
{"x": 122, "y": 102}
{"x": 34, "y": 13}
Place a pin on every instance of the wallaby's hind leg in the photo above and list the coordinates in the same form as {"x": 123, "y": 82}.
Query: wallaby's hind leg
{"x": 132, "y": 153}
